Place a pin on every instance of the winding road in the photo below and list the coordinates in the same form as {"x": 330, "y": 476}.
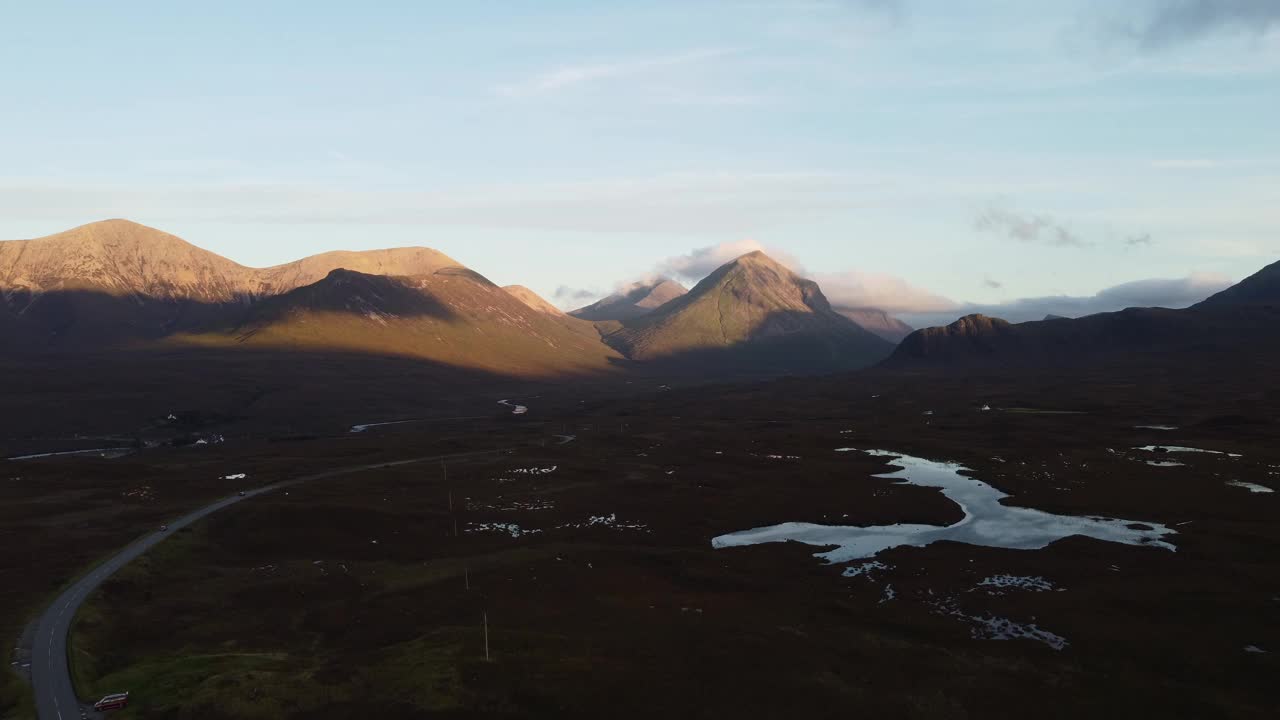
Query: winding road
{"x": 51, "y": 676}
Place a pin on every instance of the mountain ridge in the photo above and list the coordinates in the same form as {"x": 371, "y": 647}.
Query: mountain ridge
{"x": 632, "y": 301}
{"x": 122, "y": 257}
{"x": 1243, "y": 319}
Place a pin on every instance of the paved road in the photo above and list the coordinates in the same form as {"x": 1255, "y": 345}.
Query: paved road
{"x": 51, "y": 677}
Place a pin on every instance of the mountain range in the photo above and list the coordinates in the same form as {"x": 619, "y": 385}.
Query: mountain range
{"x": 116, "y": 284}
{"x": 1240, "y": 319}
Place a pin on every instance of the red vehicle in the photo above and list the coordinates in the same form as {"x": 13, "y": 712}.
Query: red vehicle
{"x": 117, "y": 701}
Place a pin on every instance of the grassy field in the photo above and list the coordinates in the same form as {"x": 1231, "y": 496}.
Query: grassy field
{"x": 353, "y": 596}
{"x": 367, "y": 595}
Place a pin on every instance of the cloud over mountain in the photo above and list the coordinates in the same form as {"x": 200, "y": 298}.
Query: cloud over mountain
{"x": 700, "y": 262}
{"x": 571, "y": 295}
{"x": 859, "y": 289}
{"x": 1154, "y": 292}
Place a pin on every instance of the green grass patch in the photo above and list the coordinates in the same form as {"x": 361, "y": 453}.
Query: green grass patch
{"x": 250, "y": 685}
{"x": 16, "y": 699}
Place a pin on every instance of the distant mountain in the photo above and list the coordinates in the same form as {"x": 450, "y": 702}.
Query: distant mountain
{"x": 879, "y": 322}
{"x": 533, "y": 300}
{"x": 452, "y": 316}
{"x": 972, "y": 336}
{"x": 633, "y": 301}
{"x": 752, "y": 313}
{"x": 1240, "y": 320}
{"x": 1051, "y": 316}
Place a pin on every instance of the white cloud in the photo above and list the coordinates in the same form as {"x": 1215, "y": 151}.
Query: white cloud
{"x": 701, "y": 262}
{"x": 857, "y": 289}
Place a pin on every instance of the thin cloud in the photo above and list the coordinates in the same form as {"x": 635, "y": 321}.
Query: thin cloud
{"x": 1185, "y": 164}
{"x": 569, "y": 76}
{"x": 1037, "y": 229}
{"x": 1177, "y": 22}
{"x": 711, "y": 204}
{"x": 1138, "y": 240}
{"x": 566, "y": 294}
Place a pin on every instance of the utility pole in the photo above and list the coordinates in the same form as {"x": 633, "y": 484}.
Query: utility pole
{"x": 486, "y": 637}
{"x": 466, "y": 576}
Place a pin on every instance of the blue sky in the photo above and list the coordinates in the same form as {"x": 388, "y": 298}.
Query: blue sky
{"x": 924, "y": 155}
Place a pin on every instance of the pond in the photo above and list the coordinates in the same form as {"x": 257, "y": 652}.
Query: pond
{"x": 987, "y": 522}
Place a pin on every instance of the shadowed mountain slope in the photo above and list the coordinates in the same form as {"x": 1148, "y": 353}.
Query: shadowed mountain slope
{"x": 879, "y": 322}
{"x": 452, "y": 316}
{"x": 752, "y": 312}
{"x": 633, "y": 301}
{"x": 1260, "y": 288}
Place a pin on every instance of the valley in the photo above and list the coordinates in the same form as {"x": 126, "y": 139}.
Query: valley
{"x": 403, "y": 495}
{"x": 594, "y": 560}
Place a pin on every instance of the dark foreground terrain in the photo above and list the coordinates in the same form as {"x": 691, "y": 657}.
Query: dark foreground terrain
{"x": 586, "y": 543}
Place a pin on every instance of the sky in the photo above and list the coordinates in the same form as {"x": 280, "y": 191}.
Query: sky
{"x": 925, "y": 156}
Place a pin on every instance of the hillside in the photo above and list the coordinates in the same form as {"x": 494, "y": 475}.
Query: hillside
{"x": 633, "y": 301}
{"x": 752, "y": 313}
{"x": 120, "y": 258}
{"x": 452, "y": 316}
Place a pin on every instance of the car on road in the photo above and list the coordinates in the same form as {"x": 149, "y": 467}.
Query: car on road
{"x": 241, "y": 493}
{"x": 116, "y": 701}
{"x": 163, "y": 528}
